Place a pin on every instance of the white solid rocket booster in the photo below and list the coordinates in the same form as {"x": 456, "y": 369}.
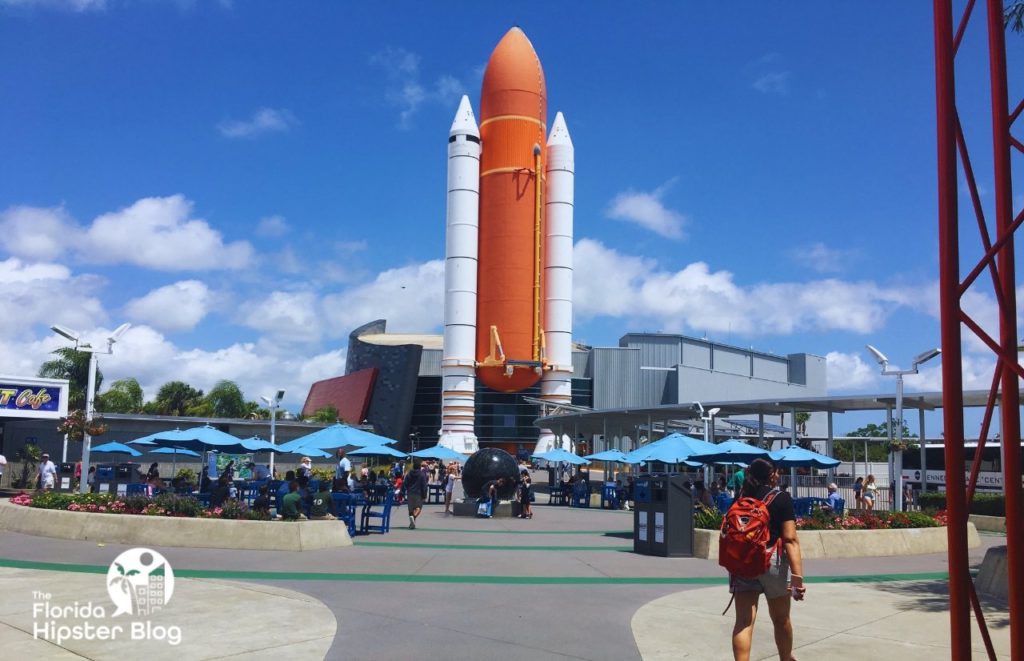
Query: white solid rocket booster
{"x": 458, "y": 363}
{"x": 556, "y": 386}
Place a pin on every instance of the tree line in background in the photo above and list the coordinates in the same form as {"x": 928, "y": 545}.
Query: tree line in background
{"x": 177, "y": 398}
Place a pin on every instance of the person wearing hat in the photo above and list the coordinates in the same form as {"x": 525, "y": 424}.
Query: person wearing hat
{"x": 834, "y": 502}
{"x": 47, "y": 475}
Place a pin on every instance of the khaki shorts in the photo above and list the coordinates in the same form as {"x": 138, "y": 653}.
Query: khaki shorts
{"x": 773, "y": 583}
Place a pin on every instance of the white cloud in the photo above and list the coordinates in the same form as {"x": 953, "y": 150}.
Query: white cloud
{"x": 286, "y": 316}
{"x": 45, "y": 294}
{"x": 411, "y": 298}
{"x": 846, "y": 371}
{"x": 648, "y": 211}
{"x": 272, "y": 227}
{"x": 821, "y": 258}
{"x": 159, "y": 233}
{"x": 37, "y": 233}
{"x": 405, "y": 90}
{"x": 264, "y": 120}
{"x": 696, "y": 298}
{"x": 773, "y": 82}
{"x": 176, "y": 307}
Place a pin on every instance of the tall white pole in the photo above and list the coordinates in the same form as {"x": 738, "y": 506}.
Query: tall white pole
{"x": 898, "y": 454}
{"x": 273, "y": 433}
{"x": 90, "y": 397}
{"x": 458, "y": 361}
{"x": 559, "y": 195}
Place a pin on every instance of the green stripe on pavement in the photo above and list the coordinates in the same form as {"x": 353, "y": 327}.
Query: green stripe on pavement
{"x": 530, "y": 532}
{"x": 450, "y": 578}
{"x": 490, "y": 547}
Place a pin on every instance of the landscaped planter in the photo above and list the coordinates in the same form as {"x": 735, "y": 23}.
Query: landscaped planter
{"x": 988, "y": 523}
{"x": 175, "y": 531}
{"x": 852, "y": 543}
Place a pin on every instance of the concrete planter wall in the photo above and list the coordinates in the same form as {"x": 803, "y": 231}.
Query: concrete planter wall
{"x": 174, "y": 531}
{"x": 988, "y": 523}
{"x": 853, "y": 543}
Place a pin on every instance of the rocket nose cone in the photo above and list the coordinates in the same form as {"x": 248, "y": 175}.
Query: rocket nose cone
{"x": 559, "y": 132}
{"x": 513, "y": 67}
{"x": 465, "y": 122}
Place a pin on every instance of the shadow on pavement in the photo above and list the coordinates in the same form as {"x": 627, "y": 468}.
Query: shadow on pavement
{"x": 933, "y": 596}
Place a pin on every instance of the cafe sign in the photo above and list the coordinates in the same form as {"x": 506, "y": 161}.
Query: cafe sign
{"x": 33, "y": 398}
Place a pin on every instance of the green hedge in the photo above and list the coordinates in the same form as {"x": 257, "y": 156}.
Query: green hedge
{"x": 988, "y": 504}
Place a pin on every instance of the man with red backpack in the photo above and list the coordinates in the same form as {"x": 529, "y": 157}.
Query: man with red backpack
{"x": 759, "y": 547}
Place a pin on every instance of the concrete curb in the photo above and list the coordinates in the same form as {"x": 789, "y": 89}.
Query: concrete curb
{"x": 175, "y": 531}
{"x": 993, "y": 578}
{"x": 988, "y": 523}
{"x": 853, "y": 543}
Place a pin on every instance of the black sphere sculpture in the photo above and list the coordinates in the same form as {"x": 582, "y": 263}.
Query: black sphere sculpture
{"x": 486, "y": 465}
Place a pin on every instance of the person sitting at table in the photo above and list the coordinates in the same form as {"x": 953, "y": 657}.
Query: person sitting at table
{"x": 204, "y": 480}
{"x": 221, "y": 492}
{"x": 262, "y": 503}
{"x": 833, "y": 500}
{"x": 229, "y": 470}
{"x": 291, "y": 505}
{"x": 322, "y": 506}
{"x": 259, "y": 471}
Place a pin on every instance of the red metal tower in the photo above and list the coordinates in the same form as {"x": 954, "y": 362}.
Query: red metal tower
{"x": 998, "y": 259}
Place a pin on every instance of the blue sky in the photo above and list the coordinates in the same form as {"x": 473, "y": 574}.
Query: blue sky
{"x": 246, "y": 182}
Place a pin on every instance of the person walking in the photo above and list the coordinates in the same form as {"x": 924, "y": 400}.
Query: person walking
{"x": 778, "y": 586}
{"x": 858, "y": 491}
{"x": 870, "y": 493}
{"x": 415, "y": 486}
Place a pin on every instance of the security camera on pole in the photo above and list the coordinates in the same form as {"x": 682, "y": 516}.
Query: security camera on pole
{"x": 896, "y": 458}
{"x": 90, "y": 392}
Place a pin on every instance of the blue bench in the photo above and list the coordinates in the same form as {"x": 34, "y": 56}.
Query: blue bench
{"x": 580, "y": 495}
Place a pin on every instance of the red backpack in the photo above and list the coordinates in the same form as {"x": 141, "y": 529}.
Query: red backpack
{"x": 743, "y": 547}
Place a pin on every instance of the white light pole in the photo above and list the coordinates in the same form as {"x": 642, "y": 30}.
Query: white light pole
{"x": 273, "y": 403}
{"x": 896, "y": 458}
{"x": 90, "y": 392}
{"x": 707, "y": 416}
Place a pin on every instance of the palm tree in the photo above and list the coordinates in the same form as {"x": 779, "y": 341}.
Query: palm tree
{"x": 124, "y": 396}
{"x": 226, "y": 400}
{"x": 176, "y": 398}
{"x": 72, "y": 365}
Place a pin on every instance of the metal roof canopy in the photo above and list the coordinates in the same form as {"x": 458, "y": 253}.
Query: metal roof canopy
{"x": 627, "y": 418}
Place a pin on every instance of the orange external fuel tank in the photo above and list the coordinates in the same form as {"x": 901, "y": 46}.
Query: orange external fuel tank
{"x": 513, "y": 113}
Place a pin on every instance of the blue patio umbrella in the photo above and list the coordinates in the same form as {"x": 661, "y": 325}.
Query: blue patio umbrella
{"x": 797, "y": 457}
{"x": 256, "y": 444}
{"x": 336, "y": 436}
{"x": 175, "y": 451}
{"x": 377, "y": 451}
{"x": 196, "y": 438}
{"x": 439, "y": 452}
{"x": 672, "y": 449}
{"x": 608, "y": 455}
{"x": 307, "y": 452}
{"x": 731, "y": 451}
{"x": 559, "y": 455}
{"x": 114, "y": 447}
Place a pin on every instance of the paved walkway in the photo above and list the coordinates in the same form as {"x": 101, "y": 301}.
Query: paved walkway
{"x": 564, "y": 585}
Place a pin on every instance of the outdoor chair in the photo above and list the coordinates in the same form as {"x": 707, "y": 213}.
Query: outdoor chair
{"x": 345, "y": 506}
{"x": 556, "y": 495}
{"x": 137, "y": 490}
{"x": 384, "y": 515}
{"x": 580, "y": 495}
{"x": 435, "y": 493}
{"x": 609, "y": 496}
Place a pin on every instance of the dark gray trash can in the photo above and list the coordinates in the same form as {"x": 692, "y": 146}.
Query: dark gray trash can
{"x": 663, "y": 518}
{"x": 65, "y": 478}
